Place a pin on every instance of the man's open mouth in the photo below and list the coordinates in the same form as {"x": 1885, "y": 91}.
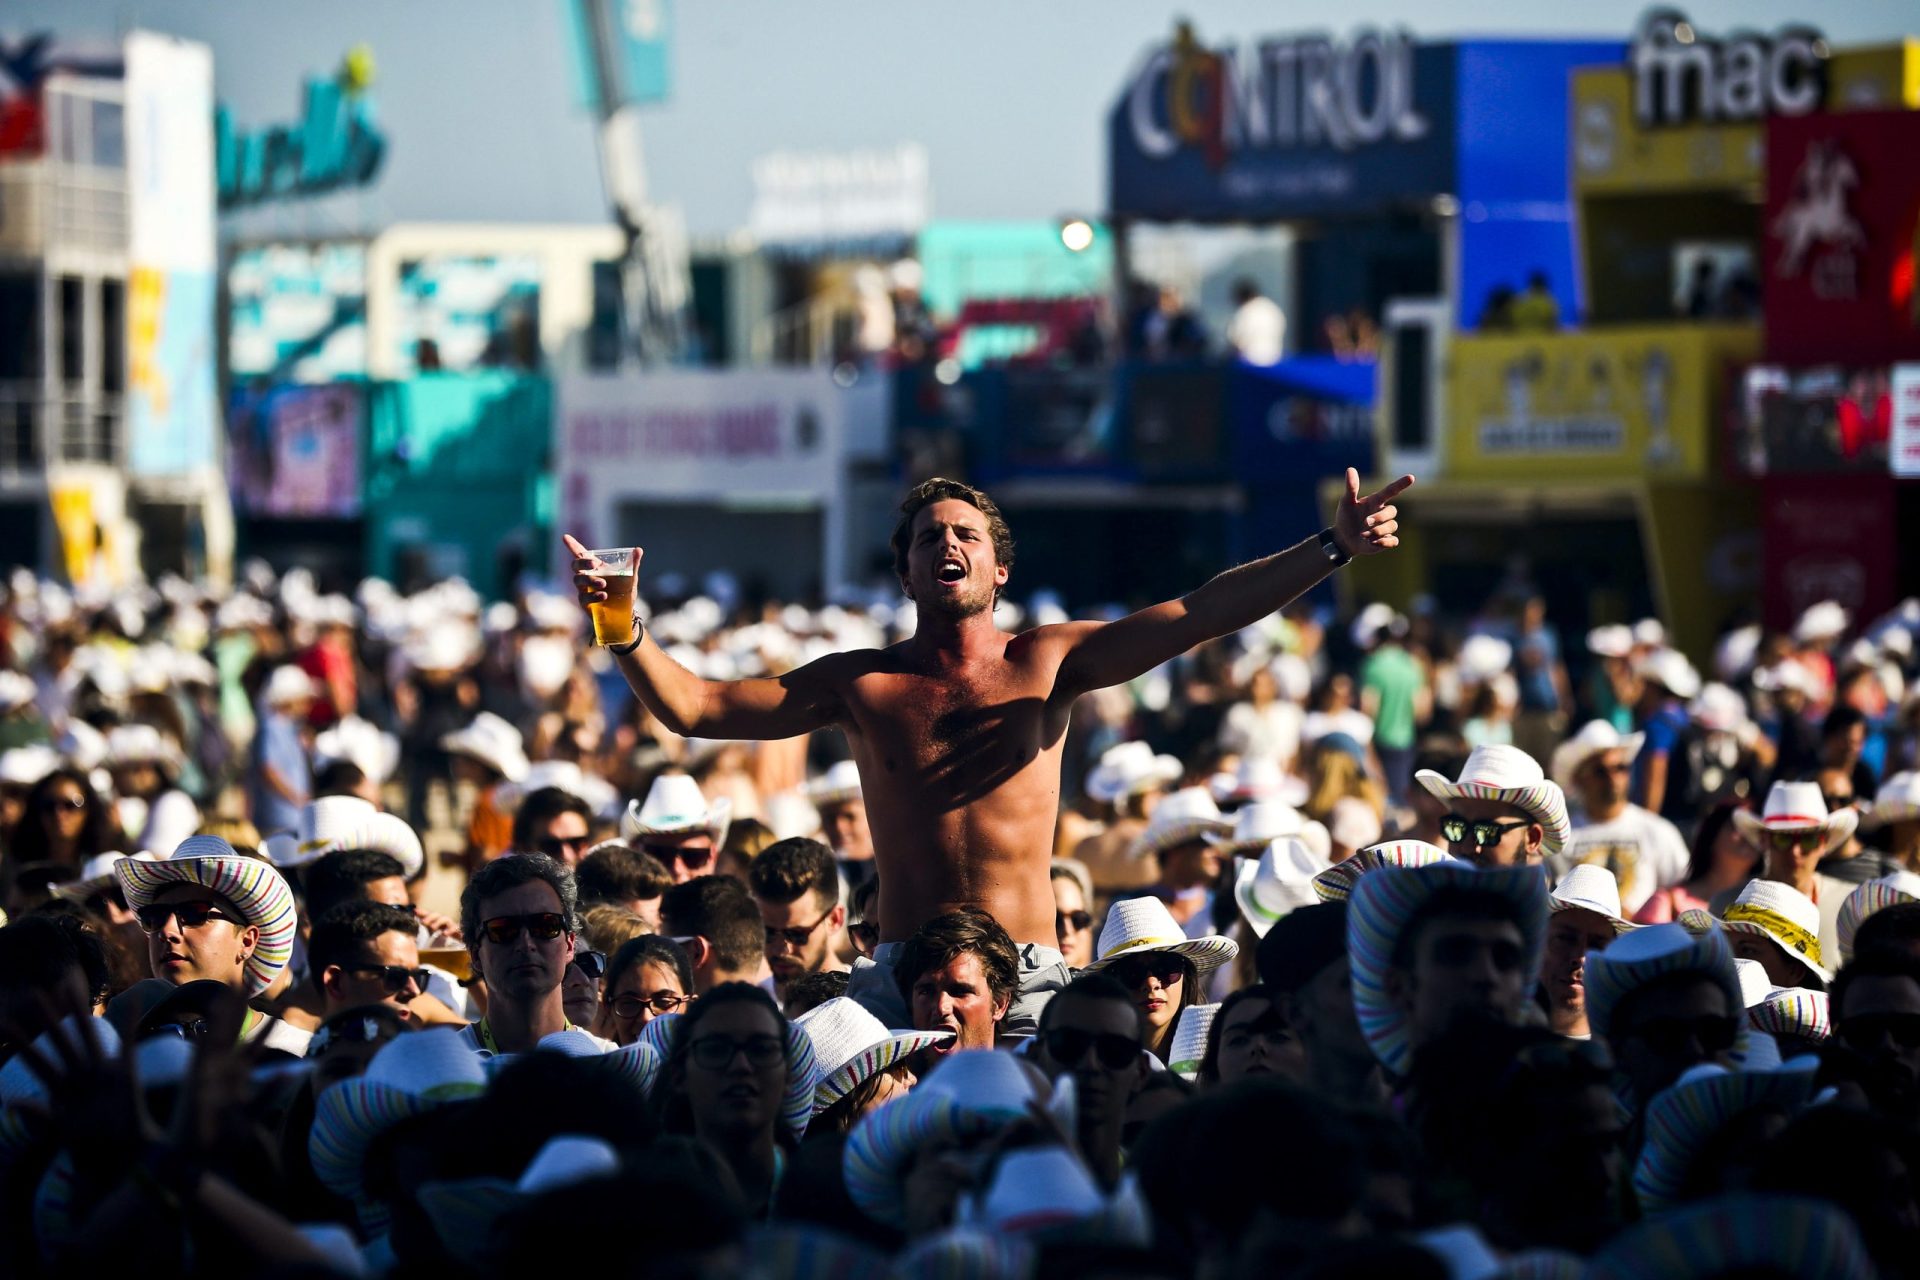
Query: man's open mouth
{"x": 951, "y": 571}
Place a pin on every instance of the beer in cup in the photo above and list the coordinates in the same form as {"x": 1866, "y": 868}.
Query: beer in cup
{"x": 613, "y": 617}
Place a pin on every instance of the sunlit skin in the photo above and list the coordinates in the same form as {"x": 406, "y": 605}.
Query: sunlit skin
{"x": 958, "y": 730}
{"x": 344, "y": 988}
{"x": 1075, "y": 944}
{"x": 844, "y": 825}
{"x": 1572, "y": 936}
{"x": 523, "y": 976}
{"x": 956, "y": 998}
{"x": 1159, "y": 1003}
{"x": 647, "y": 979}
{"x": 1520, "y": 845}
{"x": 807, "y": 911}
{"x": 217, "y": 950}
{"x": 1793, "y": 855}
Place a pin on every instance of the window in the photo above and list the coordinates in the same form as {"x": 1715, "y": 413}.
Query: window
{"x": 72, "y": 321}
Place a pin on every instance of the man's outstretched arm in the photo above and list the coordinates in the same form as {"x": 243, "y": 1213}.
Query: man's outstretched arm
{"x": 1115, "y": 652}
{"x": 799, "y": 702}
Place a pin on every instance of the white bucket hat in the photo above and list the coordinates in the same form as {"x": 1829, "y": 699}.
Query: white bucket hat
{"x": 1278, "y": 882}
{"x": 1129, "y": 768}
{"x": 1590, "y": 888}
{"x": 675, "y": 806}
{"x": 1190, "y": 1039}
{"x": 1897, "y": 800}
{"x": 1511, "y": 776}
{"x": 1784, "y": 916}
{"x": 1187, "y": 814}
{"x": 287, "y": 684}
{"x": 1137, "y": 926}
{"x": 1798, "y": 806}
{"x": 852, "y": 1046}
{"x": 840, "y": 784}
{"x": 1669, "y": 667}
{"x": 1595, "y": 737}
{"x": 493, "y": 742}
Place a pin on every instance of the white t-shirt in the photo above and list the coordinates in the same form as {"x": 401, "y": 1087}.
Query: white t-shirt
{"x": 1272, "y": 731}
{"x": 1258, "y": 330}
{"x": 1316, "y": 725}
{"x": 1643, "y": 850}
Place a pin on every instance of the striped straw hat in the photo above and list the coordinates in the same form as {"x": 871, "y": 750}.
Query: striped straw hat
{"x": 1901, "y": 886}
{"x": 1511, "y": 776}
{"x": 852, "y": 1046}
{"x": 1385, "y": 902}
{"x": 1740, "y": 1233}
{"x": 1784, "y": 916}
{"x": 259, "y": 893}
{"x": 1335, "y": 884}
{"x": 803, "y": 1072}
{"x": 1637, "y": 958}
{"x": 1796, "y": 1013}
{"x": 1190, "y": 1037}
{"x": 1684, "y": 1118}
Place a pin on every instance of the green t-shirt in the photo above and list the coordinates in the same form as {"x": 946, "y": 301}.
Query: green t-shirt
{"x": 1395, "y": 677}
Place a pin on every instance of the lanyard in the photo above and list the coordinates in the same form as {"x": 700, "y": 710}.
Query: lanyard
{"x": 485, "y": 1029}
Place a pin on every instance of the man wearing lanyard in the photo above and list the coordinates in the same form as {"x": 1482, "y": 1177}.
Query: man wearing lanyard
{"x": 518, "y": 915}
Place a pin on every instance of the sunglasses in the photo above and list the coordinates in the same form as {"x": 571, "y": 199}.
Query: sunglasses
{"x": 393, "y": 977}
{"x": 867, "y": 935}
{"x": 1674, "y": 1035}
{"x": 715, "y": 1053}
{"x": 794, "y": 938}
{"x": 154, "y": 916}
{"x": 557, "y": 846}
{"x": 54, "y": 804}
{"x": 1794, "y": 838}
{"x": 591, "y": 964}
{"x": 1864, "y": 1031}
{"x": 355, "y": 1028}
{"x": 692, "y": 859}
{"x": 1068, "y": 1047}
{"x": 632, "y": 1006}
{"x": 545, "y": 926}
{"x": 1486, "y": 832}
{"x": 1134, "y": 971}
{"x": 1066, "y": 922}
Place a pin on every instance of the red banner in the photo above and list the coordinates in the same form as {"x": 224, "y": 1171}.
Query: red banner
{"x": 1829, "y": 538}
{"x": 1843, "y": 216}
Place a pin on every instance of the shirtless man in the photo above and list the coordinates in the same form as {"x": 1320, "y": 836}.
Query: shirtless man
{"x": 958, "y": 729}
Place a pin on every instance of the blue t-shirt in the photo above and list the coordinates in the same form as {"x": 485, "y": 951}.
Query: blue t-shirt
{"x": 1663, "y": 731}
{"x": 278, "y": 746}
{"x": 1537, "y": 690}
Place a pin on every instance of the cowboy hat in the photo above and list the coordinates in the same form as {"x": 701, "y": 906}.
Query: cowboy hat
{"x": 563, "y": 775}
{"x": 1277, "y": 882}
{"x": 1590, "y": 888}
{"x": 1188, "y": 814}
{"x": 675, "y": 806}
{"x": 1335, "y": 884}
{"x": 1595, "y": 737}
{"x": 1047, "y": 1191}
{"x": 361, "y": 744}
{"x": 1897, "y": 800}
{"x": 259, "y": 893}
{"x": 1755, "y": 985}
{"x": 1687, "y": 1115}
{"x": 1826, "y": 620}
{"x": 1900, "y": 886}
{"x": 1670, "y": 669}
{"x": 1482, "y": 657}
{"x": 1130, "y": 768}
{"x": 969, "y": 1095}
{"x": 803, "y": 1071}
{"x": 1798, "y": 806}
{"x": 1137, "y": 926}
{"x": 1382, "y": 906}
{"x": 287, "y": 684}
{"x": 1654, "y": 952}
{"x": 1783, "y": 915}
{"x": 410, "y": 1075}
{"x": 463, "y": 1211}
{"x": 96, "y": 875}
{"x": 442, "y": 647}
{"x": 333, "y": 823}
{"x": 1740, "y": 1234}
{"x": 852, "y": 1046}
{"x": 1797, "y": 1012}
{"x": 1719, "y": 709}
{"x": 1511, "y": 776}
{"x": 1190, "y": 1039}
{"x": 1260, "y": 823}
{"x": 840, "y": 784}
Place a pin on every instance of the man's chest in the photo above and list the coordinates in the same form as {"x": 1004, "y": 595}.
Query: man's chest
{"x": 999, "y": 716}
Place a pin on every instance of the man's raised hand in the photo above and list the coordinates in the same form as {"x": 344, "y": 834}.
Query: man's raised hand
{"x": 1363, "y": 526}
{"x": 592, "y": 589}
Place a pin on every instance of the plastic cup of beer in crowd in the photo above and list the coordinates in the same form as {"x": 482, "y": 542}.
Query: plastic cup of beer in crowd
{"x": 613, "y": 617}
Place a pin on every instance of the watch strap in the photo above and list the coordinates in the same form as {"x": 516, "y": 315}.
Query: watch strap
{"x": 1330, "y": 547}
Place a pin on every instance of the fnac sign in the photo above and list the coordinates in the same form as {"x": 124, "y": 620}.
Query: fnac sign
{"x": 1302, "y": 91}
{"x": 1840, "y": 237}
{"x": 1681, "y": 77}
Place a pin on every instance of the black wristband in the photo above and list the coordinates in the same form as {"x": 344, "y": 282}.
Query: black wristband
{"x": 1330, "y": 547}
{"x": 639, "y": 634}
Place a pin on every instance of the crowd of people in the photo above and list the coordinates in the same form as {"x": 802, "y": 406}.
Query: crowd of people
{"x": 1402, "y": 945}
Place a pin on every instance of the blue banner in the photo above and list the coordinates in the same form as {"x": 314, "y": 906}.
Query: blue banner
{"x": 638, "y": 35}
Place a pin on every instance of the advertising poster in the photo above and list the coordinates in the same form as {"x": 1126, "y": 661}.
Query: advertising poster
{"x": 1904, "y": 446}
{"x": 172, "y": 411}
{"x": 296, "y": 452}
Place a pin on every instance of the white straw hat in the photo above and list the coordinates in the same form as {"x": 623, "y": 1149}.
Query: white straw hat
{"x": 287, "y": 684}
{"x": 1187, "y": 814}
{"x": 1128, "y": 768}
{"x": 1511, "y": 776}
{"x": 1783, "y": 915}
{"x": 360, "y": 743}
{"x": 1798, "y": 806}
{"x": 675, "y": 806}
{"x": 1190, "y": 1037}
{"x": 1897, "y": 800}
{"x": 852, "y": 1046}
{"x": 838, "y": 785}
{"x": 1669, "y": 667}
{"x": 492, "y": 741}
{"x": 24, "y": 766}
{"x": 142, "y": 744}
{"x": 1590, "y": 888}
{"x": 1755, "y": 985}
{"x": 1259, "y": 824}
{"x": 1613, "y": 641}
{"x": 1279, "y": 881}
{"x": 1137, "y": 926}
{"x": 322, "y": 822}
{"x": 1595, "y": 737}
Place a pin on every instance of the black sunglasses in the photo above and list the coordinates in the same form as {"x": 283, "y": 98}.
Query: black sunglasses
{"x": 1135, "y": 970}
{"x": 1486, "y": 832}
{"x": 154, "y": 916}
{"x": 714, "y": 1053}
{"x": 590, "y": 963}
{"x": 1454, "y": 950}
{"x": 1072, "y": 921}
{"x": 557, "y": 846}
{"x": 1864, "y": 1031}
{"x": 53, "y": 804}
{"x": 1068, "y": 1047}
{"x": 795, "y": 938}
{"x": 865, "y": 933}
{"x": 693, "y": 859}
{"x": 545, "y": 926}
{"x": 393, "y": 977}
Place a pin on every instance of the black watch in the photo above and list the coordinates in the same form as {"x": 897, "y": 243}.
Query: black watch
{"x": 1330, "y": 548}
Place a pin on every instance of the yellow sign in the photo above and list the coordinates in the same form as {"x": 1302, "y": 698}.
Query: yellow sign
{"x": 73, "y": 517}
{"x": 1614, "y": 404}
{"x": 1613, "y": 154}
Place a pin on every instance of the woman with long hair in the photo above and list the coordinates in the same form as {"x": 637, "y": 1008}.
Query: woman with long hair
{"x": 1723, "y": 860}
{"x": 66, "y": 822}
{"x": 1144, "y": 949}
{"x": 647, "y": 977}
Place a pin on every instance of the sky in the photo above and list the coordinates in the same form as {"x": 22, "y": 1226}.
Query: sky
{"x": 1008, "y": 96}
